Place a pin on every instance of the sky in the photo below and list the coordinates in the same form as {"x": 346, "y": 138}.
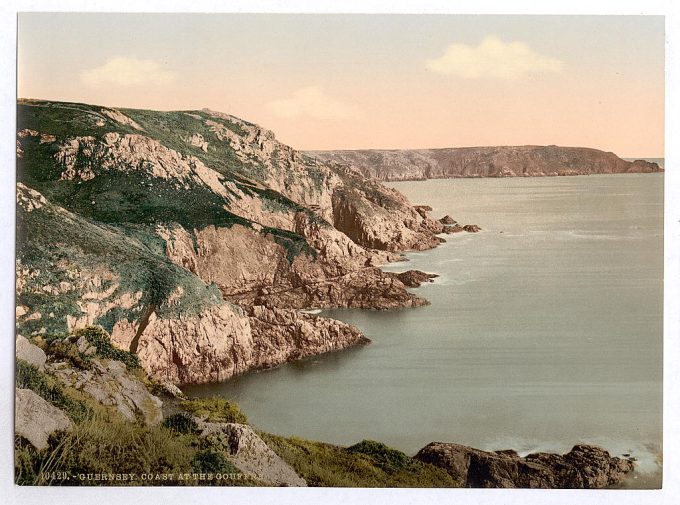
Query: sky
{"x": 359, "y": 81}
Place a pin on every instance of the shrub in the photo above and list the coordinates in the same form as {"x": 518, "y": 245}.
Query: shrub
{"x": 62, "y": 350}
{"x": 181, "y": 423}
{"x": 215, "y": 410}
{"x": 210, "y": 461}
{"x": 385, "y": 457}
{"x": 99, "y": 338}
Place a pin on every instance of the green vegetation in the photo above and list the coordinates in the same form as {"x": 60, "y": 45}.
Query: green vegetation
{"x": 367, "y": 464}
{"x": 384, "y": 457}
{"x": 101, "y": 446}
{"x": 56, "y": 246}
{"x": 99, "y": 338}
{"x": 28, "y": 376}
{"x": 215, "y": 410}
{"x": 212, "y": 461}
{"x": 64, "y": 119}
{"x": 181, "y": 423}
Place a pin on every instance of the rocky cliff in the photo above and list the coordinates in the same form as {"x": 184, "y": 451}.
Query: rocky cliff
{"x": 499, "y": 161}
{"x": 195, "y": 237}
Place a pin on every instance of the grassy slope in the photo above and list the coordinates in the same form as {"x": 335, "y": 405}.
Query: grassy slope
{"x": 135, "y": 198}
{"x": 51, "y": 242}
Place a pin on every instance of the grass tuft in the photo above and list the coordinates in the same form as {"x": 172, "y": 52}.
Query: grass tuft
{"x": 215, "y": 410}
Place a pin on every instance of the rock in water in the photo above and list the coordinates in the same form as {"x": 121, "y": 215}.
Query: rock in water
{"x": 36, "y": 419}
{"x": 448, "y": 220}
{"x": 414, "y": 278}
{"x": 584, "y": 467}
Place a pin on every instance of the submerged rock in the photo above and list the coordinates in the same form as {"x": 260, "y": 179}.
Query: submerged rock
{"x": 585, "y": 466}
{"x": 36, "y": 419}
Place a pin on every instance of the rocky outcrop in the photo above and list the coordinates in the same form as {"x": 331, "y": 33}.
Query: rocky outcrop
{"x": 414, "y": 278}
{"x": 585, "y": 466}
{"x": 112, "y": 385}
{"x": 35, "y": 419}
{"x": 281, "y": 335}
{"x": 498, "y": 161}
{"x": 249, "y": 453}
{"x": 224, "y": 341}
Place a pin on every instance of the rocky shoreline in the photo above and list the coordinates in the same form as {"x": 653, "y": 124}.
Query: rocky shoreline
{"x": 60, "y": 380}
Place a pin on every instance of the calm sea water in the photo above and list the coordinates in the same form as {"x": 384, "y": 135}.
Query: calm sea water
{"x": 545, "y": 330}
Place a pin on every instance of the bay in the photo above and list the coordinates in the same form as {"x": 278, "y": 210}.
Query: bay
{"x": 544, "y": 330}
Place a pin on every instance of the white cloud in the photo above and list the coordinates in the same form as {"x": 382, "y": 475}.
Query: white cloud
{"x": 493, "y": 58}
{"x": 312, "y": 102}
{"x": 122, "y": 71}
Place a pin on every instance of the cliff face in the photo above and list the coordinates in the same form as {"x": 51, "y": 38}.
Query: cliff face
{"x": 500, "y": 161}
{"x": 194, "y": 237}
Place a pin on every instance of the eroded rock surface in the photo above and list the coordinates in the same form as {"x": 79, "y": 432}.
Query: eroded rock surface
{"x": 112, "y": 385}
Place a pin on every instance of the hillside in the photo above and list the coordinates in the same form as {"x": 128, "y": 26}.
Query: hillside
{"x": 194, "y": 237}
{"x": 499, "y": 161}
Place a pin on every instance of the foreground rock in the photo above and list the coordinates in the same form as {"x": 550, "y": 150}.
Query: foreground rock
{"x": 30, "y": 353}
{"x": 36, "y": 419}
{"x": 493, "y": 161}
{"x": 585, "y": 466}
{"x": 248, "y": 452}
{"x": 111, "y": 385}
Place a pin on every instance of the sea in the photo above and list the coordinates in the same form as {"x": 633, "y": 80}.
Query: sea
{"x": 544, "y": 331}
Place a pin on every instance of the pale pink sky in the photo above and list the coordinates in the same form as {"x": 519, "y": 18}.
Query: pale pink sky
{"x": 360, "y": 81}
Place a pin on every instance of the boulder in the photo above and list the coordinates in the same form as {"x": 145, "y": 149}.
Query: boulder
{"x": 36, "y": 419}
{"x": 471, "y": 228}
{"x": 448, "y": 220}
{"x": 30, "y": 353}
{"x": 585, "y": 466}
{"x": 249, "y": 453}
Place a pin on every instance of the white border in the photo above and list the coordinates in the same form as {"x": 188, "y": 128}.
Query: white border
{"x": 280, "y": 496}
